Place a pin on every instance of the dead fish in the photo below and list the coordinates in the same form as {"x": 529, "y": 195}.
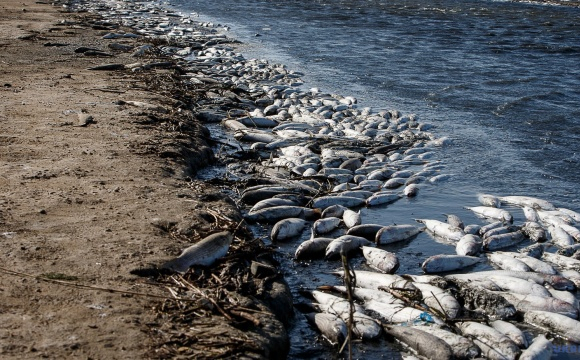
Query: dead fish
{"x": 562, "y": 261}
{"x": 573, "y": 214}
{"x": 253, "y": 135}
{"x": 373, "y": 280}
{"x": 506, "y": 262}
{"x": 488, "y": 227}
{"x": 559, "y": 236}
{"x": 351, "y": 218}
{"x": 442, "y": 229}
{"x": 535, "y": 264}
{"x": 500, "y": 230}
{"x": 344, "y": 245}
{"x": 395, "y": 233}
{"x": 454, "y": 221}
{"x": 557, "y": 281}
{"x": 313, "y": 248}
{"x": 368, "y": 231}
{"x": 492, "y": 213}
{"x": 472, "y": 229}
{"x": 477, "y": 298}
{"x": 288, "y": 228}
{"x": 535, "y": 250}
{"x": 566, "y": 296}
{"x": 511, "y": 331}
{"x": 534, "y": 231}
{"x": 469, "y": 245}
{"x": 266, "y": 203}
{"x": 421, "y": 342}
{"x": 540, "y": 349}
{"x": 334, "y": 211}
{"x": 572, "y": 275}
{"x": 524, "y": 303}
{"x": 444, "y": 263}
{"x": 325, "y": 225}
{"x": 393, "y": 313}
{"x": 488, "y": 200}
{"x": 205, "y": 252}
{"x": 558, "y": 324}
{"x": 276, "y": 213}
{"x": 362, "y": 194}
{"x": 364, "y": 294}
{"x": 411, "y": 189}
{"x": 496, "y": 242}
{"x": 381, "y": 260}
{"x": 530, "y": 214}
{"x": 519, "y": 286}
{"x": 491, "y": 337}
{"x": 439, "y": 300}
{"x": 331, "y": 326}
{"x": 571, "y": 230}
{"x": 382, "y": 198}
{"x": 347, "y": 201}
{"x": 462, "y": 347}
{"x": 527, "y": 201}
{"x": 440, "y": 178}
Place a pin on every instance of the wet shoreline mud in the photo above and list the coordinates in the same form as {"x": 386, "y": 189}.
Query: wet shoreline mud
{"x": 157, "y": 187}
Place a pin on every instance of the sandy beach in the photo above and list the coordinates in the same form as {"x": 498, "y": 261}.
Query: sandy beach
{"x": 94, "y": 188}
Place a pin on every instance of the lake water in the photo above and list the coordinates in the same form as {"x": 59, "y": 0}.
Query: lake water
{"x": 502, "y": 79}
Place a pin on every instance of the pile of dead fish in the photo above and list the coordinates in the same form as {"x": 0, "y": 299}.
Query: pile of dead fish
{"x": 320, "y": 159}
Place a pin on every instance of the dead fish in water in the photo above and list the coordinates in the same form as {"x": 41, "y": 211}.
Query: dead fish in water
{"x": 499, "y": 230}
{"x": 421, "y": 342}
{"x": 535, "y": 264}
{"x": 373, "y": 280}
{"x": 566, "y": 296}
{"x": 562, "y": 261}
{"x": 381, "y": 198}
{"x": 325, "y": 225}
{"x": 344, "y": 245}
{"x": 439, "y": 300}
{"x": 472, "y": 229}
{"x": 478, "y": 299}
{"x": 364, "y": 294}
{"x": 462, "y": 347}
{"x": 506, "y": 262}
{"x": 527, "y": 201}
{"x": 381, "y": 260}
{"x": 444, "y": 263}
{"x": 557, "y": 281}
{"x": 276, "y": 213}
{"x": 368, "y": 231}
{"x": 347, "y": 201}
{"x": 469, "y": 245}
{"x": 393, "y": 313}
{"x": 454, "y": 221}
{"x": 411, "y": 190}
{"x": 331, "y": 326}
{"x": 519, "y": 286}
{"x": 492, "y": 338}
{"x": 492, "y": 213}
{"x": 559, "y": 236}
{"x": 540, "y": 349}
{"x": 262, "y": 204}
{"x": 442, "y": 229}
{"x": 488, "y": 200}
{"x": 351, "y": 218}
{"x": 333, "y": 211}
{"x": 488, "y": 227}
{"x": 573, "y": 214}
{"x": 534, "y": 231}
{"x": 288, "y": 228}
{"x": 496, "y": 242}
{"x": 534, "y": 251}
{"x": 395, "y": 233}
{"x": 205, "y": 252}
{"x": 524, "y": 303}
{"x": 511, "y": 331}
{"x": 313, "y": 248}
{"x": 530, "y": 214}
{"x": 561, "y": 325}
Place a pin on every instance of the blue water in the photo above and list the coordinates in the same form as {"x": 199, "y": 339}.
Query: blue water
{"x": 502, "y": 79}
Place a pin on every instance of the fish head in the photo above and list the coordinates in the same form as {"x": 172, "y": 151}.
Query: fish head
{"x": 561, "y": 283}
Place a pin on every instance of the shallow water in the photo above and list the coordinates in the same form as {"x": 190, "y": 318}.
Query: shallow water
{"x": 502, "y": 79}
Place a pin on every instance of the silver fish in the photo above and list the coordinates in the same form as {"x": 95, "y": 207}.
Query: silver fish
{"x": 506, "y": 262}
{"x": 454, "y": 221}
{"x": 559, "y": 236}
{"x": 276, "y": 213}
{"x": 488, "y": 200}
{"x": 562, "y": 261}
{"x": 381, "y": 198}
{"x": 524, "y": 303}
{"x": 395, "y": 233}
{"x": 530, "y": 214}
{"x": 443, "y": 263}
{"x": 344, "y": 245}
{"x": 364, "y": 294}
{"x": 333, "y": 211}
{"x": 561, "y": 325}
{"x": 373, "y": 280}
{"x": 205, "y": 252}
{"x": 411, "y": 189}
{"x": 535, "y": 250}
{"x": 312, "y": 249}
{"x": 381, "y": 260}
{"x": 368, "y": 231}
{"x": 474, "y": 295}
{"x": 424, "y": 344}
{"x": 519, "y": 286}
{"x": 266, "y": 203}
{"x": 511, "y": 331}
{"x": 540, "y": 349}
{"x": 534, "y": 231}
{"x": 331, "y": 326}
{"x": 499, "y": 230}
{"x": 557, "y": 281}
{"x": 492, "y": 213}
{"x": 351, "y": 218}
{"x": 472, "y": 229}
{"x": 347, "y": 201}
{"x": 287, "y": 228}
{"x": 469, "y": 245}
{"x": 393, "y": 313}
{"x": 442, "y": 229}
{"x": 502, "y": 241}
{"x": 325, "y": 225}
{"x": 462, "y": 347}
{"x": 533, "y": 263}
{"x": 488, "y": 227}
{"x": 491, "y": 337}
{"x": 439, "y": 300}
{"x": 573, "y": 214}
{"x": 527, "y": 201}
